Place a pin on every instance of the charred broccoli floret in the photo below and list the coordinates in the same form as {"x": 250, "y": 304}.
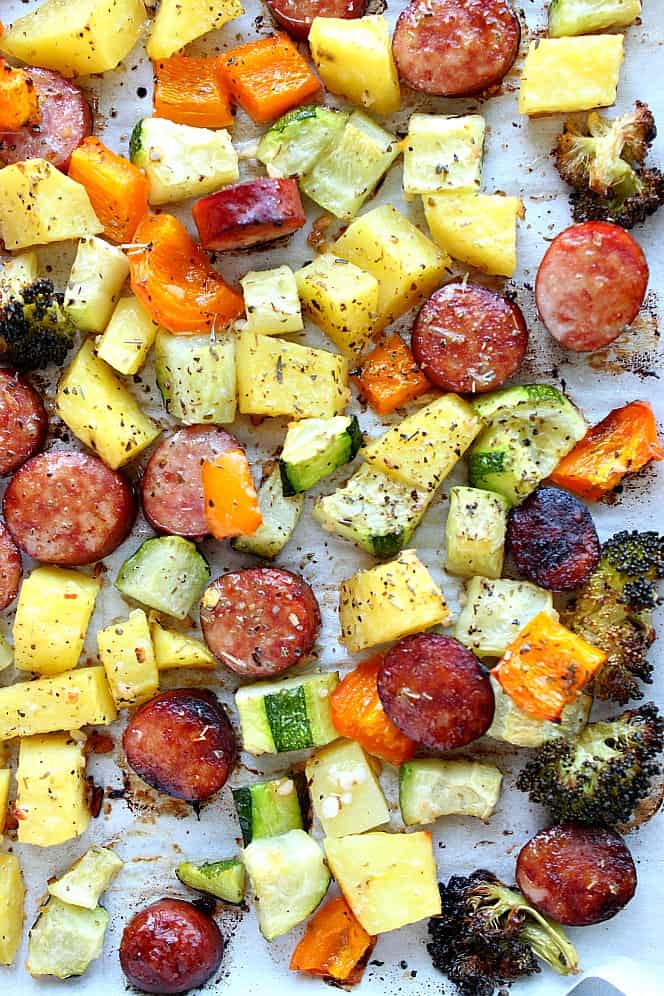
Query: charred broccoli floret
{"x": 613, "y": 611}
{"x": 487, "y": 935}
{"x": 604, "y": 162}
{"x": 601, "y": 777}
{"x": 34, "y": 328}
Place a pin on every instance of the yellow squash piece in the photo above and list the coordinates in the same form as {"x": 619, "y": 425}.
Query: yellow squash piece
{"x": 52, "y": 617}
{"x": 177, "y": 23}
{"x": 406, "y": 264}
{"x": 76, "y": 37}
{"x": 571, "y": 74}
{"x": 387, "y": 602}
{"x": 51, "y": 798}
{"x": 341, "y": 299}
{"x": 40, "y": 204}
{"x": 477, "y": 229}
{"x": 100, "y": 410}
{"x": 354, "y": 59}
{"x": 12, "y": 896}
{"x": 5, "y": 784}
{"x": 125, "y": 650}
{"x": 65, "y": 702}
{"x": 173, "y": 649}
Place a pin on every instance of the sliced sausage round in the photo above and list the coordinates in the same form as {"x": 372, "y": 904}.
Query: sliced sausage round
{"x": 296, "y": 15}
{"x": 260, "y": 621}
{"x": 456, "y": 48}
{"x": 11, "y": 569}
{"x": 469, "y": 339}
{"x": 553, "y": 540}
{"x": 171, "y": 946}
{"x": 23, "y": 421}
{"x": 575, "y": 874}
{"x": 590, "y": 285}
{"x": 68, "y": 508}
{"x": 172, "y": 486}
{"x": 436, "y": 691}
{"x": 181, "y": 743}
{"x": 65, "y": 120}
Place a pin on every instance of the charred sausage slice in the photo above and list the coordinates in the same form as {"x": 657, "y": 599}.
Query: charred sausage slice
{"x": 296, "y": 15}
{"x": 249, "y": 214}
{"x": 575, "y": 874}
{"x": 23, "y": 421}
{"x": 182, "y": 744}
{"x": 260, "y": 621}
{"x": 11, "y": 569}
{"x": 436, "y": 691}
{"x": 456, "y": 48}
{"x": 469, "y": 339}
{"x": 68, "y": 508}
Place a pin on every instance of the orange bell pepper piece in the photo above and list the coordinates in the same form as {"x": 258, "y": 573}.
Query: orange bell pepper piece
{"x": 622, "y": 443}
{"x": 268, "y": 77}
{"x": 358, "y": 714}
{"x": 334, "y": 946}
{"x": 19, "y": 104}
{"x": 389, "y": 378}
{"x": 172, "y": 277}
{"x": 231, "y": 502}
{"x": 546, "y": 667}
{"x": 117, "y": 189}
{"x": 192, "y": 91}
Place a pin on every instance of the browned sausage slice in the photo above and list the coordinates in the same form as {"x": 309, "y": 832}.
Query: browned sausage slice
{"x": 553, "y": 540}
{"x": 68, "y": 508}
{"x": 170, "y": 947}
{"x": 456, "y": 48}
{"x": 577, "y": 875}
{"x": 23, "y": 421}
{"x": 260, "y": 621}
{"x": 469, "y": 339}
{"x": 11, "y": 569}
{"x": 249, "y": 213}
{"x": 590, "y": 285}
{"x": 182, "y": 743}
{"x": 172, "y": 486}
{"x": 65, "y": 120}
{"x": 296, "y": 15}
{"x": 436, "y": 691}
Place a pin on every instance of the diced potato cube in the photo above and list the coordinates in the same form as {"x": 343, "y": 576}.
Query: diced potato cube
{"x": 39, "y": 204}
{"x": 477, "y": 229}
{"x": 84, "y": 882}
{"x": 5, "y": 785}
{"x": 94, "y": 284}
{"x": 582, "y": 17}
{"x": 100, "y": 410}
{"x": 354, "y": 59}
{"x": 388, "y": 879}
{"x": 423, "y": 448}
{"x": 6, "y": 653}
{"x": 387, "y": 602}
{"x": 51, "y": 801}
{"x": 52, "y": 616}
{"x": 443, "y": 153}
{"x": 495, "y": 611}
{"x": 172, "y": 649}
{"x": 571, "y": 74}
{"x": 406, "y": 264}
{"x": 12, "y": 896}
{"x": 128, "y": 337}
{"x": 345, "y": 793}
{"x": 341, "y": 299}
{"x": 64, "y": 702}
{"x": 176, "y": 24}
{"x": 276, "y": 377}
{"x": 125, "y": 650}
{"x": 271, "y": 301}
{"x": 475, "y": 532}
{"x": 17, "y": 272}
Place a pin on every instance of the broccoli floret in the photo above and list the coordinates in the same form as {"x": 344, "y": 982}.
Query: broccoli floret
{"x": 612, "y": 610}
{"x": 604, "y": 163}
{"x": 601, "y": 777}
{"x": 487, "y": 935}
{"x": 34, "y": 328}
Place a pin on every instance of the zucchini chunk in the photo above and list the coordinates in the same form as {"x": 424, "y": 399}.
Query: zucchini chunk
{"x": 267, "y": 809}
{"x": 293, "y": 714}
{"x": 281, "y": 515}
{"x": 346, "y": 795}
{"x": 196, "y": 377}
{"x": 166, "y": 573}
{"x": 529, "y": 429}
{"x": 84, "y": 882}
{"x": 513, "y": 726}
{"x": 94, "y": 284}
{"x": 429, "y": 788}
{"x": 373, "y": 511}
{"x": 289, "y": 879}
{"x": 224, "y": 879}
{"x": 65, "y": 940}
{"x": 271, "y": 301}
{"x": 475, "y": 533}
{"x": 314, "y": 448}
{"x": 293, "y": 144}
{"x": 495, "y": 611}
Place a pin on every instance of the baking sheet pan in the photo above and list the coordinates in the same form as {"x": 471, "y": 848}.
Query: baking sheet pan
{"x": 152, "y": 833}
